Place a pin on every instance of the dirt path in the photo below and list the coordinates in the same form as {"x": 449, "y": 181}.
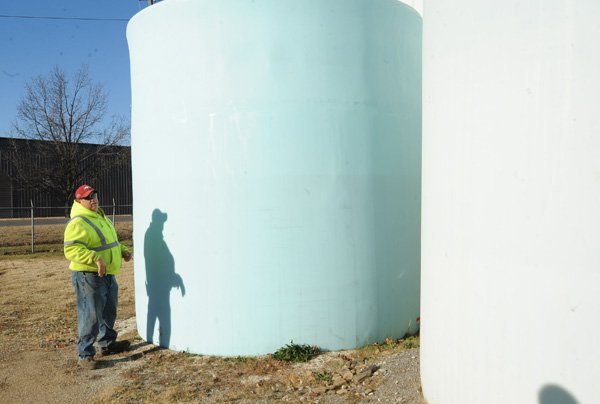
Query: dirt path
{"x": 38, "y": 360}
{"x": 38, "y": 331}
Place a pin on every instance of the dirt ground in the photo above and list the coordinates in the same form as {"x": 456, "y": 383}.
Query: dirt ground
{"x": 38, "y": 361}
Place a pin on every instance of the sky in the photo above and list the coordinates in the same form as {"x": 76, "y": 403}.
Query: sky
{"x": 33, "y": 46}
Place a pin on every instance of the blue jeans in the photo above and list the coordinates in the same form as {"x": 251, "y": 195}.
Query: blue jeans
{"x": 97, "y": 299}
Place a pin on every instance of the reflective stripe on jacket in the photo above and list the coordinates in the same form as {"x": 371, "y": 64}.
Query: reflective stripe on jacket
{"x": 89, "y": 236}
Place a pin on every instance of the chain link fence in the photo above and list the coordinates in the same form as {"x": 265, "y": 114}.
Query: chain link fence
{"x": 57, "y": 211}
{"x": 42, "y": 215}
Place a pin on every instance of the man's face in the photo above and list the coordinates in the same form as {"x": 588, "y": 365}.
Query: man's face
{"x": 90, "y": 202}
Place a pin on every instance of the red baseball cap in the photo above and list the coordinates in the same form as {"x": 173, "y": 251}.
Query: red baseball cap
{"x": 83, "y": 191}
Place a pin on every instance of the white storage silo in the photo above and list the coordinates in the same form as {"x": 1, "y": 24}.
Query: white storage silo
{"x": 511, "y": 197}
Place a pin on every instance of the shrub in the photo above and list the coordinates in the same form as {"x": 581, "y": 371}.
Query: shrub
{"x": 296, "y": 353}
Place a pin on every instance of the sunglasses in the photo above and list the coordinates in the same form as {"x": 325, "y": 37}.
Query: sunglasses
{"x": 91, "y": 196}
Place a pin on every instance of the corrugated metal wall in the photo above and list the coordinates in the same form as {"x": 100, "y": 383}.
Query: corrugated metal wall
{"x": 5, "y": 197}
{"x": 113, "y": 183}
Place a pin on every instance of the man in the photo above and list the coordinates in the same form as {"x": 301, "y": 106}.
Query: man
{"x": 92, "y": 246}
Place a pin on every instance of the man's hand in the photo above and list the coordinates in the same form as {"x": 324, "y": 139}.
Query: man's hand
{"x": 127, "y": 256}
{"x": 101, "y": 267}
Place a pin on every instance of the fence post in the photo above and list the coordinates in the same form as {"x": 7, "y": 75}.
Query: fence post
{"x": 114, "y": 207}
{"x": 32, "y": 229}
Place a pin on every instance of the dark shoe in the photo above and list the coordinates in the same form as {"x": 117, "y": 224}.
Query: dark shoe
{"x": 115, "y": 347}
{"x": 87, "y": 363}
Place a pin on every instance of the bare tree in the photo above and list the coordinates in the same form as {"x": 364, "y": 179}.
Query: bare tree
{"x": 69, "y": 142}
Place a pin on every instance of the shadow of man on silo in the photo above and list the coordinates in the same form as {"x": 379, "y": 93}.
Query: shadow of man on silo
{"x": 160, "y": 279}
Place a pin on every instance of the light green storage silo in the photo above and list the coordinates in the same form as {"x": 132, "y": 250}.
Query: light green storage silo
{"x": 276, "y": 168}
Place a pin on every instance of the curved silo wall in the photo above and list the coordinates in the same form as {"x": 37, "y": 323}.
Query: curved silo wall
{"x": 276, "y": 173}
{"x": 511, "y": 196}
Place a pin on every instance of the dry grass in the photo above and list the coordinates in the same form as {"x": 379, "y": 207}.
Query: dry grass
{"x": 16, "y": 240}
{"x": 178, "y": 377}
{"x": 38, "y": 329}
{"x": 38, "y": 303}
{"x": 38, "y": 314}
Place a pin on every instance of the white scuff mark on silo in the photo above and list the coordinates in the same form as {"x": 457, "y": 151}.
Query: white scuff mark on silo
{"x": 235, "y": 119}
{"x": 243, "y": 129}
{"x": 184, "y": 113}
{"x": 212, "y": 143}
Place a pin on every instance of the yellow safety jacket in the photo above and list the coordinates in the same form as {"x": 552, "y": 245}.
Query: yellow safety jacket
{"x": 90, "y": 236}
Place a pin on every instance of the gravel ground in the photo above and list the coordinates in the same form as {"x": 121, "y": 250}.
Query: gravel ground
{"x": 401, "y": 380}
{"x": 38, "y": 362}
